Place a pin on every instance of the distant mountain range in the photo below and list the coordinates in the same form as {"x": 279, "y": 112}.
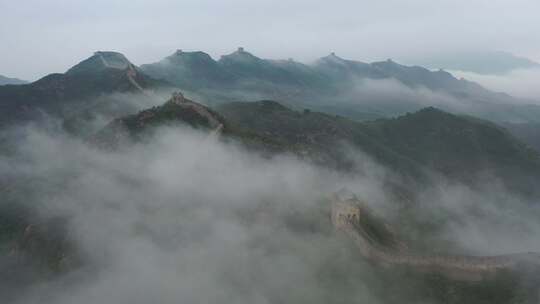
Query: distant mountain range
{"x": 494, "y": 63}
{"x": 291, "y": 79}
{"x": 6, "y": 80}
{"x": 357, "y": 90}
{"x": 333, "y": 84}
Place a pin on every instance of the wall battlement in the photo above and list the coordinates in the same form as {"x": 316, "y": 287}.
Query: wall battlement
{"x": 347, "y": 216}
{"x": 213, "y": 121}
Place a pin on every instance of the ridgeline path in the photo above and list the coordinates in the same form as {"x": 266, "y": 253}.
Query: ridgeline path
{"x": 347, "y": 216}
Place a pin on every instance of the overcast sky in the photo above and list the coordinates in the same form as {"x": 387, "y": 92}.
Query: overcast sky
{"x": 38, "y": 37}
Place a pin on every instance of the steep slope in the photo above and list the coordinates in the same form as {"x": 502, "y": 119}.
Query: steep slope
{"x": 101, "y": 74}
{"x": 6, "y": 80}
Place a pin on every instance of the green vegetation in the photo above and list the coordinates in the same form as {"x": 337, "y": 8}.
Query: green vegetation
{"x": 63, "y": 95}
{"x": 462, "y": 148}
{"x": 458, "y": 147}
{"x": 138, "y": 126}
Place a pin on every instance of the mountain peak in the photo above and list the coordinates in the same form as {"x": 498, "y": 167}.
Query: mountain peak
{"x": 240, "y": 55}
{"x": 102, "y": 60}
{"x": 431, "y": 111}
{"x": 333, "y": 58}
{"x": 481, "y": 62}
{"x": 387, "y": 63}
{"x": 7, "y": 80}
{"x": 180, "y": 56}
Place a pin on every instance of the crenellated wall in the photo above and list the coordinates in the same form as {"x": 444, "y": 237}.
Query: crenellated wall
{"x": 179, "y": 99}
{"x": 344, "y": 214}
{"x": 347, "y": 214}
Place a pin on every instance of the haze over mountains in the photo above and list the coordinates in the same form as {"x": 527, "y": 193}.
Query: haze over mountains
{"x": 6, "y": 80}
{"x": 119, "y": 189}
{"x": 78, "y": 88}
{"x": 378, "y": 152}
{"x": 335, "y": 84}
{"x": 357, "y": 90}
{"x": 107, "y": 86}
{"x": 494, "y": 63}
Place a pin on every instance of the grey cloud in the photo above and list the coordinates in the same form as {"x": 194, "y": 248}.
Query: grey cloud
{"x": 166, "y": 221}
{"x": 188, "y": 217}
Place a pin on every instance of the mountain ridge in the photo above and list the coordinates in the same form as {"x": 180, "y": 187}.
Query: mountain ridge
{"x": 100, "y": 75}
{"x": 11, "y": 81}
{"x": 457, "y": 147}
{"x": 334, "y": 83}
{"x": 481, "y": 62}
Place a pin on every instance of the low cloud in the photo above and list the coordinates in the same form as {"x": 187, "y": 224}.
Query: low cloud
{"x": 184, "y": 217}
{"x": 393, "y": 96}
{"x": 521, "y": 83}
{"x": 189, "y": 218}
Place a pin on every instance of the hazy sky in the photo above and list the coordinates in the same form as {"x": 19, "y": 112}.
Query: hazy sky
{"x": 43, "y": 36}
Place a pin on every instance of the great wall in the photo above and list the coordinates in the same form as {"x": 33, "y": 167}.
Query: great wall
{"x": 118, "y": 61}
{"x": 121, "y": 63}
{"x": 179, "y": 99}
{"x": 347, "y": 216}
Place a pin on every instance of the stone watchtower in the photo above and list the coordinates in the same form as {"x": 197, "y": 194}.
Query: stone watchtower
{"x": 178, "y": 98}
{"x": 344, "y": 213}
